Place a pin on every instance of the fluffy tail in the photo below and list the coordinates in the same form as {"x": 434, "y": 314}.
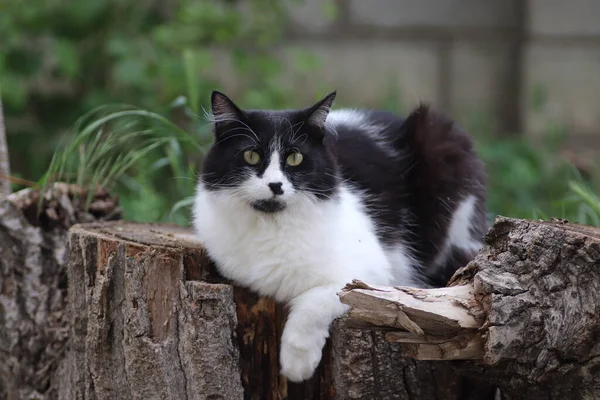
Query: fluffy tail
{"x": 446, "y": 182}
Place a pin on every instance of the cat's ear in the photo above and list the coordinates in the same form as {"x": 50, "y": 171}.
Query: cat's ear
{"x": 224, "y": 109}
{"x": 317, "y": 114}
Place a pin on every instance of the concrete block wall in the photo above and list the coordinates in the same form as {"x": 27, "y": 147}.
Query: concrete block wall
{"x": 455, "y": 54}
{"x": 469, "y": 57}
{"x": 563, "y": 60}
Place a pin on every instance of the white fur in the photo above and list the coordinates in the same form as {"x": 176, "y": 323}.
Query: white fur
{"x": 257, "y": 188}
{"x": 402, "y": 264}
{"x": 349, "y": 117}
{"x": 459, "y": 231}
{"x": 459, "y": 234}
{"x": 302, "y": 256}
{"x": 357, "y": 119}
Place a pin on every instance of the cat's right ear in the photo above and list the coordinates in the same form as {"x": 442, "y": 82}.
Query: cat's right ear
{"x": 317, "y": 114}
{"x": 224, "y": 110}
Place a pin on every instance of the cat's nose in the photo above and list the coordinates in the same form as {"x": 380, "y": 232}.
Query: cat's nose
{"x": 276, "y": 188}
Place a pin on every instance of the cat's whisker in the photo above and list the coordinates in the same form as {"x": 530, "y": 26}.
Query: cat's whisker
{"x": 236, "y": 120}
{"x": 243, "y": 150}
{"x": 234, "y": 136}
{"x": 294, "y": 133}
{"x": 304, "y": 135}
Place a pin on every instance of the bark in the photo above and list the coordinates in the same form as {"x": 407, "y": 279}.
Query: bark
{"x": 5, "y": 187}
{"x": 152, "y": 319}
{"x": 526, "y": 309}
{"x": 33, "y": 286}
{"x": 147, "y": 316}
{"x": 366, "y": 366}
{"x": 139, "y": 329}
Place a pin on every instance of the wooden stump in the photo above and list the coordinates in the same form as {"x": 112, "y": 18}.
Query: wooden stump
{"x": 526, "y": 309}
{"x": 151, "y": 319}
{"x": 33, "y": 285}
{"x": 140, "y": 312}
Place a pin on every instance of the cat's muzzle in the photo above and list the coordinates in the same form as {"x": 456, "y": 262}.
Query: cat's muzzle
{"x": 269, "y": 206}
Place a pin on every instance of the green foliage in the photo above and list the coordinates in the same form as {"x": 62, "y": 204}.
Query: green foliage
{"x": 113, "y": 141}
{"x": 153, "y": 164}
{"x": 527, "y": 180}
{"x": 60, "y": 59}
{"x": 587, "y": 203}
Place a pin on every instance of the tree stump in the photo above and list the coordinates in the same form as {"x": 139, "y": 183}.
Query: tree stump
{"x": 33, "y": 285}
{"x": 151, "y": 319}
{"x": 526, "y": 310}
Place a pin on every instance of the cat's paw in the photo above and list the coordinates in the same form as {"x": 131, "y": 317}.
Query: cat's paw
{"x": 301, "y": 354}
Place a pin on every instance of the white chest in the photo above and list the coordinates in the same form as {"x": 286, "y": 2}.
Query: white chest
{"x": 285, "y": 254}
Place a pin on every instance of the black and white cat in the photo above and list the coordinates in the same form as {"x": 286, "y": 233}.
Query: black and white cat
{"x": 295, "y": 204}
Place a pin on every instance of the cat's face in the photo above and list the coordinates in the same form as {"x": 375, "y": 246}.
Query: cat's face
{"x": 271, "y": 160}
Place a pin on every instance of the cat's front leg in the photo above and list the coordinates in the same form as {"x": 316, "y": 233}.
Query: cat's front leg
{"x": 307, "y": 329}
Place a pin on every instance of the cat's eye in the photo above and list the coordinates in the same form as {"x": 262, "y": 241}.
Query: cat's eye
{"x": 294, "y": 159}
{"x": 251, "y": 157}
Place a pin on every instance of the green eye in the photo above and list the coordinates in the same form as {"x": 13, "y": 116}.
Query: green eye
{"x": 251, "y": 157}
{"x": 294, "y": 159}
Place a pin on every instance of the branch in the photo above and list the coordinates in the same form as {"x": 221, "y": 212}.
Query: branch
{"x": 527, "y": 308}
{"x": 440, "y": 324}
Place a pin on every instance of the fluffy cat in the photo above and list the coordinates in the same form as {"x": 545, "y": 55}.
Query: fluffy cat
{"x": 294, "y": 204}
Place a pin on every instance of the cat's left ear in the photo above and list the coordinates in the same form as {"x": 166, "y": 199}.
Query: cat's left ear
{"x": 223, "y": 108}
{"x": 317, "y": 114}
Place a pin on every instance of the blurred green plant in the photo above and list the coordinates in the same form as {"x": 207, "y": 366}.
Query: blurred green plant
{"x": 528, "y": 177}
{"x": 153, "y": 163}
{"x": 529, "y": 181}
{"x": 60, "y": 59}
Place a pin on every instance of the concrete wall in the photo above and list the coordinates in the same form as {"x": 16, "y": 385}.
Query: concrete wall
{"x": 563, "y": 58}
{"x": 469, "y": 57}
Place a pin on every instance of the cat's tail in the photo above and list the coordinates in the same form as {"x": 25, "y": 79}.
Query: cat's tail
{"x": 446, "y": 181}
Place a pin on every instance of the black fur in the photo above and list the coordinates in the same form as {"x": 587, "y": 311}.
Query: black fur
{"x": 413, "y": 182}
{"x": 414, "y": 195}
{"x": 224, "y": 164}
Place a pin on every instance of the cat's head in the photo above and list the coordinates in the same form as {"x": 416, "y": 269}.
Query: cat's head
{"x": 271, "y": 160}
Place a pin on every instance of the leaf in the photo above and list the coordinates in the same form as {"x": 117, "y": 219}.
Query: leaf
{"x": 586, "y": 196}
{"x": 184, "y": 203}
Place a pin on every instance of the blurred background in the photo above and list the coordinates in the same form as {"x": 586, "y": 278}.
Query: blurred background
{"x": 522, "y": 76}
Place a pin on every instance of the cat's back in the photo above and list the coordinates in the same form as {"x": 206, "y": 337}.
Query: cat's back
{"x": 363, "y": 134}
{"x": 365, "y": 150}
{"x": 421, "y": 180}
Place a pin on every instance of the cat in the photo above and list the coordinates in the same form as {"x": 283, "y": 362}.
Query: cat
{"x": 295, "y": 204}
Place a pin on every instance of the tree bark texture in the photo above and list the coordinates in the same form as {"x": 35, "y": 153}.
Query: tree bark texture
{"x": 526, "y": 309}
{"x": 34, "y": 324}
{"x": 140, "y": 312}
{"x": 139, "y": 329}
{"x": 151, "y": 319}
{"x": 5, "y": 187}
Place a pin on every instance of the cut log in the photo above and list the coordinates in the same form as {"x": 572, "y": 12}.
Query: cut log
{"x": 151, "y": 319}
{"x": 139, "y": 330}
{"x": 33, "y": 285}
{"x": 527, "y": 309}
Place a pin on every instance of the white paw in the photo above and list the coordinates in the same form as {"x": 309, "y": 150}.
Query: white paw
{"x": 300, "y": 354}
